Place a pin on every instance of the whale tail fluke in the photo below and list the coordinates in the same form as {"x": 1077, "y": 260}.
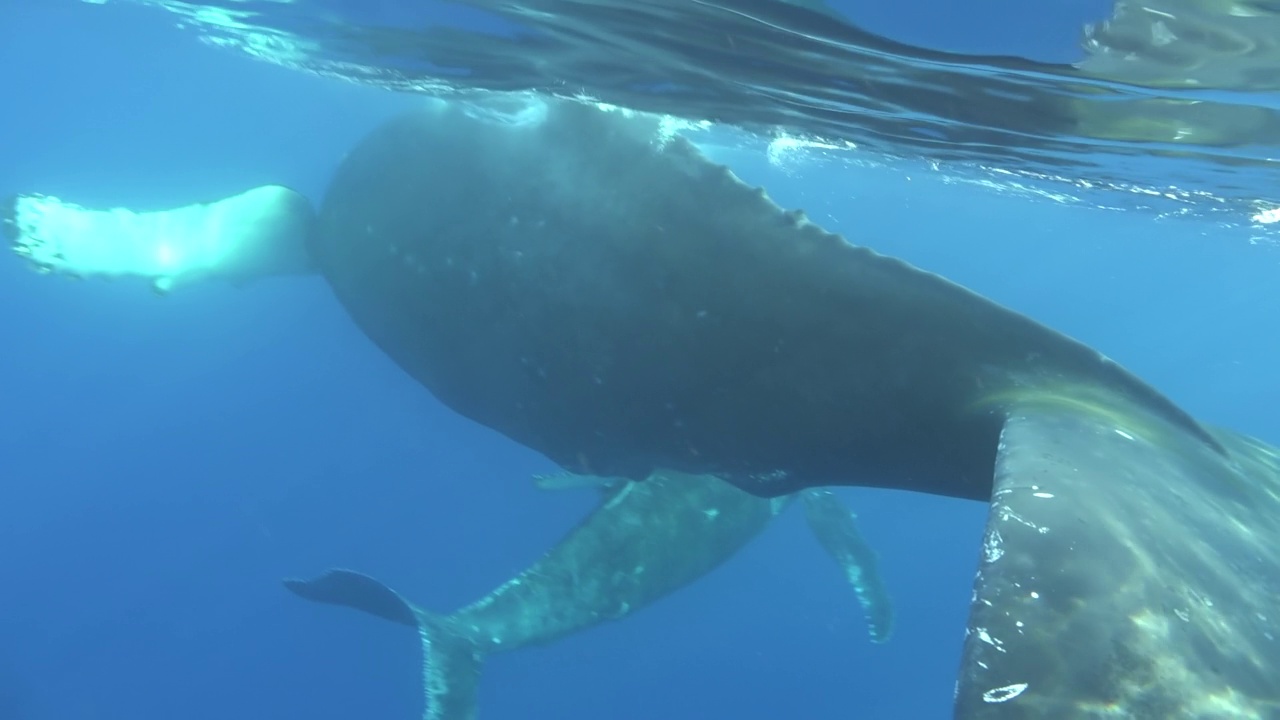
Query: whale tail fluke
{"x": 259, "y": 233}
{"x": 451, "y": 662}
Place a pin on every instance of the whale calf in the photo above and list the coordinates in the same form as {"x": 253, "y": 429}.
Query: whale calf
{"x": 586, "y": 282}
{"x": 644, "y": 541}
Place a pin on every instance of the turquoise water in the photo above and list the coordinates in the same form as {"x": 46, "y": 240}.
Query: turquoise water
{"x": 164, "y": 461}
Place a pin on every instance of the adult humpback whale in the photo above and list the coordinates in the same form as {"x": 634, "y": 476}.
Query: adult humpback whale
{"x": 645, "y": 540}
{"x": 597, "y": 290}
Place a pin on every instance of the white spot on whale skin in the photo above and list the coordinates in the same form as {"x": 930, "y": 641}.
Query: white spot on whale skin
{"x": 1005, "y": 514}
{"x": 1044, "y": 495}
{"x": 986, "y": 637}
{"x": 1005, "y": 693}
{"x": 991, "y": 549}
{"x": 1124, "y": 434}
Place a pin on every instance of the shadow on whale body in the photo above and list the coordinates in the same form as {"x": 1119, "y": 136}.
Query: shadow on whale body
{"x": 588, "y": 284}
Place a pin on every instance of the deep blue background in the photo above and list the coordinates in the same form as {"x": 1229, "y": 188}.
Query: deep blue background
{"x": 165, "y": 461}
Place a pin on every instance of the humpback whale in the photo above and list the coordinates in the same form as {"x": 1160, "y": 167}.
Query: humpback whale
{"x": 586, "y": 282}
{"x": 644, "y": 541}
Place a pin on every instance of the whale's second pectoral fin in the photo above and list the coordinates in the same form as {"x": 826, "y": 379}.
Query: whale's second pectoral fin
{"x": 1129, "y": 569}
{"x": 573, "y": 481}
{"x": 259, "y": 233}
{"x": 836, "y": 528}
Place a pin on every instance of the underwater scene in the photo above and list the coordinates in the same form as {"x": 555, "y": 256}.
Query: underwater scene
{"x": 674, "y": 359}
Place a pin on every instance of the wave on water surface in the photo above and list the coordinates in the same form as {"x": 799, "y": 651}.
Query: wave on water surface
{"x": 1173, "y": 102}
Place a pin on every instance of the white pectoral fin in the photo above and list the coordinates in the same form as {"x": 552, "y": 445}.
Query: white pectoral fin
{"x": 1129, "y": 569}
{"x": 258, "y": 233}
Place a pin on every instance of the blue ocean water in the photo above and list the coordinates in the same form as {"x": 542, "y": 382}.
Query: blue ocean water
{"x": 165, "y": 461}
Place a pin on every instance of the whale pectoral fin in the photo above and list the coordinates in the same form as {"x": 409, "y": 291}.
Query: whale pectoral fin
{"x": 574, "y": 481}
{"x": 451, "y": 662}
{"x": 836, "y": 528}
{"x": 1127, "y": 571}
{"x": 259, "y": 233}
